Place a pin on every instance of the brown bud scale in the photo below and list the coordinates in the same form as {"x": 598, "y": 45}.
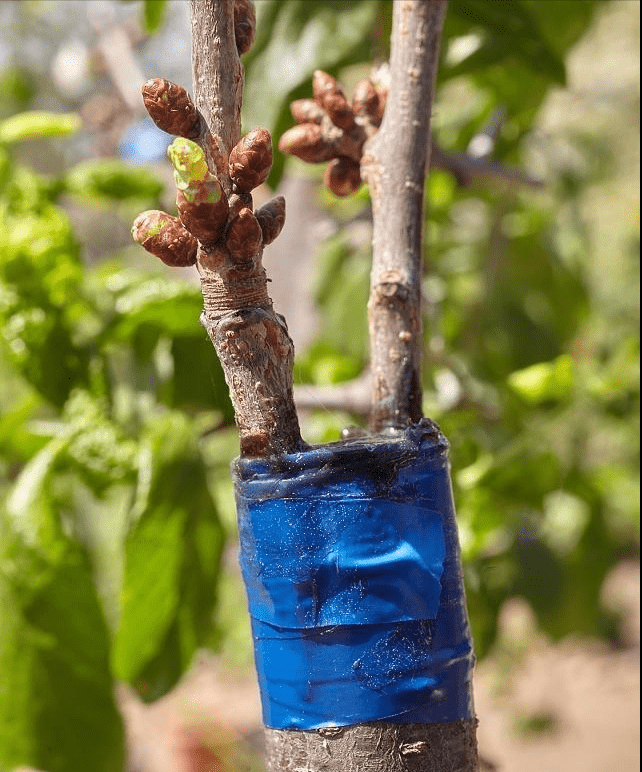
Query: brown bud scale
{"x": 203, "y": 210}
{"x": 244, "y": 237}
{"x": 328, "y": 93}
{"x": 244, "y": 25}
{"x": 271, "y": 218}
{"x": 308, "y": 143}
{"x": 171, "y": 108}
{"x": 306, "y": 111}
{"x": 342, "y": 176}
{"x": 165, "y": 237}
{"x": 365, "y": 100}
{"x": 251, "y": 160}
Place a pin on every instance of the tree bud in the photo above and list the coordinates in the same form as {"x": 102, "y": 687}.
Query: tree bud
{"x": 244, "y": 25}
{"x": 365, "y": 100}
{"x": 330, "y": 96}
{"x": 171, "y": 108}
{"x": 251, "y": 160}
{"x": 244, "y": 237}
{"x": 189, "y": 163}
{"x": 165, "y": 237}
{"x": 203, "y": 209}
{"x": 306, "y": 111}
{"x": 271, "y": 217}
{"x": 342, "y": 176}
{"x": 307, "y": 142}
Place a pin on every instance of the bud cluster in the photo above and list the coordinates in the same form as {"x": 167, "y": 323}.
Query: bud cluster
{"x": 330, "y": 128}
{"x": 206, "y": 214}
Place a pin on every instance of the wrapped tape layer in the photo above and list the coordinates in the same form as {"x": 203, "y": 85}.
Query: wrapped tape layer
{"x": 350, "y": 559}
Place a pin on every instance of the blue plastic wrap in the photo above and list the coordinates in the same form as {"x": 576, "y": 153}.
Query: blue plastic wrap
{"x": 350, "y": 559}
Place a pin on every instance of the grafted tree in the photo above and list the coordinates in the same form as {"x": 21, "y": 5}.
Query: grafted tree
{"x": 220, "y": 232}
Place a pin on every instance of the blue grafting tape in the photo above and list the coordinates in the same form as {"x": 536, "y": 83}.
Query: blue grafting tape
{"x": 350, "y": 558}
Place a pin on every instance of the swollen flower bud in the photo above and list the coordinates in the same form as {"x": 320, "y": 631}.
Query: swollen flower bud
{"x": 306, "y": 111}
{"x": 165, "y": 237}
{"x": 244, "y": 237}
{"x": 308, "y": 143}
{"x": 203, "y": 209}
{"x": 365, "y": 100}
{"x": 271, "y": 218}
{"x": 251, "y": 160}
{"x": 244, "y": 25}
{"x": 328, "y": 93}
{"x": 201, "y": 201}
{"x": 342, "y": 176}
{"x": 171, "y": 108}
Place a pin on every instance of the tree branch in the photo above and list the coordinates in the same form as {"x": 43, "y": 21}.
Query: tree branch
{"x": 468, "y": 169}
{"x": 251, "y": 340}
{"x": 394, "y": 165}
{"x": 353, "y": 396}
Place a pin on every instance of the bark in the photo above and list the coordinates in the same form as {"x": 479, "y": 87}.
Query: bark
{"x": 394, "y": 165}
{"x": 250, "y": 338}
{"x": 375, "y": 747}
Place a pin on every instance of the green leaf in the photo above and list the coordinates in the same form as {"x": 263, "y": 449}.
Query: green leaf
{"x": 508, "y": 31}
{"x": 172, "y": 555}
{"x": 174, "y": 307}
{"x": 57, "y": 707}
{"x": 513, "y": 49}
{"x": 323, "y": 365}
{"x": 97, "y": 448}
{"x": 341, "y": 292}
{"x": 154, "y": 14}
{"x": 38, "y": 124}
{"x": 545, "y": 382}
{"x": 197, "y": 381}
{"x": 112, "y": 180}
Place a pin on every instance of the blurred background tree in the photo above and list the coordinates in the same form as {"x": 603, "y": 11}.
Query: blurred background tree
{"x": 116, "y": 430}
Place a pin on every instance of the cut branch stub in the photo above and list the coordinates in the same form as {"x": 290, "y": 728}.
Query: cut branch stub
{"x": 200, "y": 198}
{"x": 171, "y": 108}
{"x": 251, "y": 160}
{"x": 165, "y": 237}
{"x": 271, "y": 218}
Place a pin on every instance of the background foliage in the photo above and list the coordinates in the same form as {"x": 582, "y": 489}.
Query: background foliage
{"x": 116, "y": 430}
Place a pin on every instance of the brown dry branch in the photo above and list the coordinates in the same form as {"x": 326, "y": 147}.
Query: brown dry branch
{"x": 215, "y": 172}
{"x": 470, "y": 170}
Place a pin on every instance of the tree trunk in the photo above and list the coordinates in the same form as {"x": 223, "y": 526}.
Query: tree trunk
{"x": 375, "y": 747}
